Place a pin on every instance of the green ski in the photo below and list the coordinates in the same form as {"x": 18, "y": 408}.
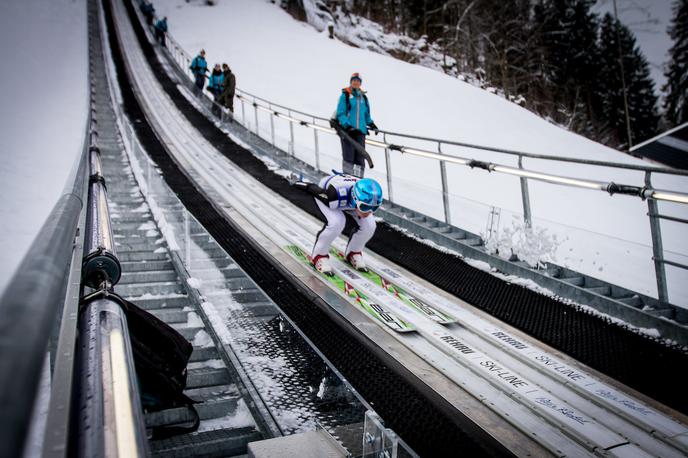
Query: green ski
{"x": 398, "y": 292}
{"x": 375, "y": 310}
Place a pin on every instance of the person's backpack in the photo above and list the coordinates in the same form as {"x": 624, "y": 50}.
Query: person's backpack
{"x": 161, "y": 355}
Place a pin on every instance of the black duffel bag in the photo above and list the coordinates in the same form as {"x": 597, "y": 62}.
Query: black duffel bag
{"x": 161, "y": 355}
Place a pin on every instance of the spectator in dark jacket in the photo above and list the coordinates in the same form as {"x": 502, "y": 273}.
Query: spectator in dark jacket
{"x": 161, "y": 30}
{"x": 199, "y": 67}
{"x": 148, "y": 11}
{"x": 228, "y": 88}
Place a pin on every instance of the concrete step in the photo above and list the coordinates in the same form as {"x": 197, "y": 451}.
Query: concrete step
{"x": 121, "y": 226}
{"x": 473, "y": 241}
{"x": 126, "y": 256}
{"x": 206, "y": 377}
{"x": 142, "y": 266}
{"x": 222, "y": 261}
{"x": 231, "y": 283}
{"x": 203, "y": 354}
{"x": 206, "y": 411}
{"x": 210, "y": 444}
{"x": 206, "y": 393}
{"x": 148, "y": 276}
{"x": 123, "y": 245}
{"x": 244, "y": 296}
{"x": 189, "y": 332}
{"x": 633, "y": 301}
{"x": 577, "y": 281}
{"x": 151, "y": 302}
{"x": 117, "y": 216}
{"x": 154, "y": 288}
{"x": 603, "y": 290}
{"x": 170, "y": 315}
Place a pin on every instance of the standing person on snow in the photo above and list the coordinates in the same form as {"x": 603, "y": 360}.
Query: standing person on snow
{"x": 148, "y": 11}
{"x": 228, "y": 88}
{"x": 199, "y": 67}
{"x": 353, "y": 115}
{"x": 215, "y": 85}
{"x": 161, "y": 30}
{"x": 335, "y": 196}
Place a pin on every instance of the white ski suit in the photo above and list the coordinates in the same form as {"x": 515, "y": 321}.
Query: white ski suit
{"x": 338, "y": 197}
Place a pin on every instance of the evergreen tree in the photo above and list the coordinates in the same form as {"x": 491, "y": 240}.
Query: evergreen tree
{"x": 568, "y": 35}
{"x": 642, "y": 101}
{"x": 676, "y": 88}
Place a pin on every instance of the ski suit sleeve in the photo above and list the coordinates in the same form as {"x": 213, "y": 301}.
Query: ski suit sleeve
{"x": 341, "y": 112}
{"x": 327, "y": 196}
{"x": 369, "y": 119}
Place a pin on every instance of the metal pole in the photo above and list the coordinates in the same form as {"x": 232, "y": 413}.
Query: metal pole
{"x": 243, "y": 112}
{"x": 187, "y": 239}
{"x": 255, "y": 113}
{"x": 525, "y": 196}
{"x": 388, "y": 168}
{"x": 317, "y": 148}
{"x": 657, "y": 248}
{"x": 272, "y": 127}
{"x": 445, "y": 192}
{"x": 291, "y": 135}
{"x": 149, "y": 183}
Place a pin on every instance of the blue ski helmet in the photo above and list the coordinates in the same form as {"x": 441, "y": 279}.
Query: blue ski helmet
{"x": 366, "y": 195}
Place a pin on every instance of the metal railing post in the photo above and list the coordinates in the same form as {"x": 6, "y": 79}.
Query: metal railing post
{"x": 525, "y": 196}
{"x": 243, "y": 112}
{"x": 445, "y": 188}
{"x": 388, "y": 169}
{"x": 317, "y": 147}
{"x": 291, "y": 135}
{"x": 187, "y": 237}
{"x": 255, "y": 114}
{"x": 272, "y": 127}
{"x": 657, "y": 247}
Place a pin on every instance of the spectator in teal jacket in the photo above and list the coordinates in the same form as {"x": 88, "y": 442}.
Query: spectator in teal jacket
{"x": 215, "y": 86}
{"x": 353, "y": 115}
{"x": 199, "y": 67}
{"x": 161, "y": 30}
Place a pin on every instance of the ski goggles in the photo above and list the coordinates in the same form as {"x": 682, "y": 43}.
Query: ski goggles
{"x": 365, "y": 208}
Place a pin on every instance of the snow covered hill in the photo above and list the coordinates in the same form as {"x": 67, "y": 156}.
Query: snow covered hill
{"x": 43, "y": 106}
{"x": 281, "y": 59}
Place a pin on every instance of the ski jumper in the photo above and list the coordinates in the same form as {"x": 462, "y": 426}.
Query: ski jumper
{"x": 333, "y": 203}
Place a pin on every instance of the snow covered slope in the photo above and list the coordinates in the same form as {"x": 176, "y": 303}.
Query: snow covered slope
{"x": 43, "y": 112}
{"x": 281, "y": 59}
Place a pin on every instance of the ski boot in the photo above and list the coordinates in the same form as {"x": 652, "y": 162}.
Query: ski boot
{"x": 355, "y": 258}
{"x": 322, "y": 264}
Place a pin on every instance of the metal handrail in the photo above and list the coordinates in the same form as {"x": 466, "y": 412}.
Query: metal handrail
{"x": 30, "y": 307}
{"x": 111, "y": 421}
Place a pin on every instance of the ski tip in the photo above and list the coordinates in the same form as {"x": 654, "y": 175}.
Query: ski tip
{"x": 449, "y": 321}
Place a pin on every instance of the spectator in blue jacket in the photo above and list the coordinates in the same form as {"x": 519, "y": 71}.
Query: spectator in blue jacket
{"x": 161, "y": 30}
{"x": 148, "y": 11}
{"x": 353, "y": 115}
{"x": 215, "y": 85}
{"x": 199, "y": 67}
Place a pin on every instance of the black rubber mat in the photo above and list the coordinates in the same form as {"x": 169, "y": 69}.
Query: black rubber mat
{"x": 420, "y": 420}
{"x": 643, "y": 363}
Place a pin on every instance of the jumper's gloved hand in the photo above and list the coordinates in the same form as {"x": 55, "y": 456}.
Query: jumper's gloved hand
{"x": 374, "y": 128}
{"x": 312, "y": 189}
